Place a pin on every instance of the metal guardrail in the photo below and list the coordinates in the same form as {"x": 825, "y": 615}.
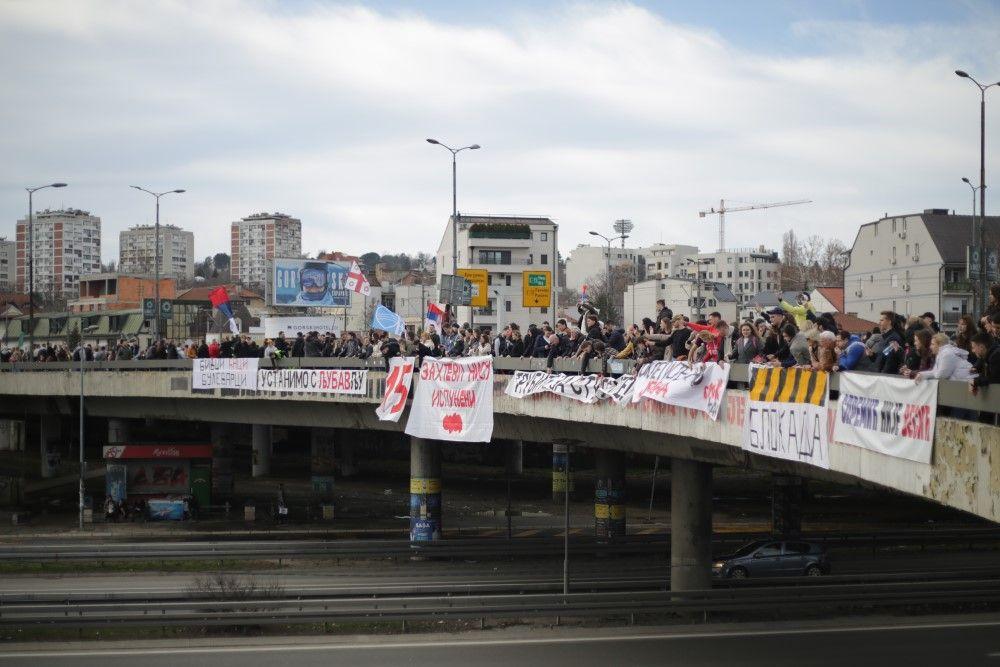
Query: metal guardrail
{"x": 951, "y": 394}
{"x": 296, "y": 610}
{"x": 458, "y": 548}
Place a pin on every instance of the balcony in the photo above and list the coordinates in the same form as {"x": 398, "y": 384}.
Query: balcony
{"x": 957, "y": 287}
{"x": 500, "y": 231}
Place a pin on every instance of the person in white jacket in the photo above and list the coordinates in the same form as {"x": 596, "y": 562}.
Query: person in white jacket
{"x": 950, "y": 362}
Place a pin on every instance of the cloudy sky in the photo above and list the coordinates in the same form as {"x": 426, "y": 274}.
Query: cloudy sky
{"x": 587, "y": 112}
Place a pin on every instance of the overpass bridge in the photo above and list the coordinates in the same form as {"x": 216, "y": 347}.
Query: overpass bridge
{"x": 964, "y": 472}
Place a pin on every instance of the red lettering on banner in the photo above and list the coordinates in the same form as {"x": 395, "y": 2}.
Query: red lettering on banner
{"x": 712, "y": 391}
{"x": 917, "y": 422}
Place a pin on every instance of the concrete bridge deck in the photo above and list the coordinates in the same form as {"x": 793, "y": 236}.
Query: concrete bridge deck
{"x": 964, "y": 472}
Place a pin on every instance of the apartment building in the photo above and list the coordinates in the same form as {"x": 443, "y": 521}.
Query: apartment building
{"x": 66, "y": 245}
{"x": 137, "y": 251}
{"x": 259, "y": 238}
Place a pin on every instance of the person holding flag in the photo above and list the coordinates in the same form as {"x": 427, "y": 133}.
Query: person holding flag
{"x": 220, "y": 299}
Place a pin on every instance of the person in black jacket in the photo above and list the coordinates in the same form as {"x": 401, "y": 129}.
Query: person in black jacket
{"x": 663, "y": 312}
{"x": 299, "y": 346}
{"x": 988, "y": 365}
{"x": 891, "y": 357}
{"x": 614, "y": 337}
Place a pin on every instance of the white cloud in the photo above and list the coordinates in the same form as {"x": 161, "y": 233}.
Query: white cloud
{"x": 586, "y": 113}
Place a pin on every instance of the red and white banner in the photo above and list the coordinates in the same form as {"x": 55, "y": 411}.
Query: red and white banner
{"x": 891, "y": 415}
{"x": 453, "y": 400}
{"x": 350, "y": 381}
{"x": 158, "y": 451}
{"x": 698, "y": 386}
{"x": 397, "y": 389}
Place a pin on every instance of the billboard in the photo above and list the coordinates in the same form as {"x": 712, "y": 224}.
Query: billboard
{"x": 480, "y": 293}
{"x": 536, "y": 289}
{"x": 309, "y": 282}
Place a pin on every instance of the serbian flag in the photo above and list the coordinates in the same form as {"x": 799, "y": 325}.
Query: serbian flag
{"x": 220, "y": 299}
{"x": 583, "y": 294}
{"x": 435, "y": 316}
{"x": 356, "y": 280}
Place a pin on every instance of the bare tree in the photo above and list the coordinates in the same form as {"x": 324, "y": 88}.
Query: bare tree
{"x": 811, "y": 262}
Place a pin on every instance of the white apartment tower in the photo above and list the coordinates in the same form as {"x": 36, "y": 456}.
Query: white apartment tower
{"x": 7, "y": 264}
{"x": 66, "y": 245}
{"x": 137, "y": 251}
{"x": 258, "y": 239}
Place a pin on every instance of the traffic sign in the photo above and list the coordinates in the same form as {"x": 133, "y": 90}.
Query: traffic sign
{"x": 148, "y": 308}
{"x": 480, "y": 297}
{"x": 536, "y": 289}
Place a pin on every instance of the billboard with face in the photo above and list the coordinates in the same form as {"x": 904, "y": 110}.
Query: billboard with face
{"x": 310, "y": 282}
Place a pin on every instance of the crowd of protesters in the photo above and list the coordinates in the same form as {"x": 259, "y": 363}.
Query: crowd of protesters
{"x": 790, "y": 335}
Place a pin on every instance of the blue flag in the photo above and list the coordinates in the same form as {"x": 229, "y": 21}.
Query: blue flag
{"x": 386, "y": 320}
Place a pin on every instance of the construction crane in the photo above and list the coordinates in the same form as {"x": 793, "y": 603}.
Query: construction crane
{"x": 722, "y": 210}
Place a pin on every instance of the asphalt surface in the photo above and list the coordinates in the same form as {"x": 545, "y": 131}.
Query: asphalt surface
{"x": 961, "y": 641}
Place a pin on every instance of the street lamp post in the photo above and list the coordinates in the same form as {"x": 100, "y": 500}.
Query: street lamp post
{"x": 974, "y": 189}
{"x": 31, "y": 265}
{"x": 156, "y": 258}
{"x": 607, "y": 267}
{"x": 454, "y": 200}
{"x": 978, "y": 236}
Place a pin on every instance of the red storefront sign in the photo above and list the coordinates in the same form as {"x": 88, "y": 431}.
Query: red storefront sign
{"x": 158, "y": 452}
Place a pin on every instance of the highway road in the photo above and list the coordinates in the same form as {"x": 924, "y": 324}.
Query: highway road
{"x": 451, "y": 576}
{"x": 932, "y": 641}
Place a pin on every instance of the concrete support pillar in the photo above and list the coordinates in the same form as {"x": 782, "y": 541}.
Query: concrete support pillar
{"x": 513, "y": 457}
{"x": 609, "y": 495}
{"x": 11, "y": 435}
{"x": 425, "y": 490}
{"x": 345, "y": 458}
{"x": 786, "y": 504}
{"x": 119, "y": 431}
{"x": 49, "y": 436}
{"x": 322, "y": 461}
{"x": 222, "y": 461}
{"x": 261, "y": 444}
{"x": 562, "y": 471}
{"x": 690, "y": 525}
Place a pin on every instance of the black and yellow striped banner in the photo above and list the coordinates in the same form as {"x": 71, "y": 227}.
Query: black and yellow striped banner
{"x": 788, "y": 385}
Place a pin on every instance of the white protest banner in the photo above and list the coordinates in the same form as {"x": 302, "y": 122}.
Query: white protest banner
{"x": 397, "y": 389}
{"x": 698, "y": 386}
{"x": 891, "y": 415}
{"x": 583, "y": 388}
{"x": 786, "y": 415}
{"x": 453, "y": 400}
{"x": 224, "y": 374}
{"x": 292, "y": 326}
{"x": 621, "y": 389}
{"x": 350, "y": 381}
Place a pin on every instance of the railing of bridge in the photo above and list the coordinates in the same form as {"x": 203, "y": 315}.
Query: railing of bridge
{"x": 951, "y": 394}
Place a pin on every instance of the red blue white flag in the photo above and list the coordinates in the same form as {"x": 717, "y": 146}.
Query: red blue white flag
{"x": 356, "y": 280}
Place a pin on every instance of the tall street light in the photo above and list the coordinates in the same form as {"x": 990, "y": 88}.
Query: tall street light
{"x": 978, "y": 238}
{"x": 454, "y": 197}
{"x": 156, "y": 257}
{"x": 31, "y": 265}
{"x": 974, "y": 188}
{"x": 607, "y": 268}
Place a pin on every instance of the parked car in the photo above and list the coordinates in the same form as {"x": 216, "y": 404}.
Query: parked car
{"x": 774, "y": 558}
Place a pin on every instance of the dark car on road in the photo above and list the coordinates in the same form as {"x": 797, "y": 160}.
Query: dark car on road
{"x": 774, "y": 558}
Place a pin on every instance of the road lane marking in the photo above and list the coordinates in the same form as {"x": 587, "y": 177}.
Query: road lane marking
{"x": 729, "y": 634}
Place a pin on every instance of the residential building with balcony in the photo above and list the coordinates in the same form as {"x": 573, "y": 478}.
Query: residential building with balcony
{"x": 745, "y": 271}
{"x": 914, "y": 263}
{"x": 666, "y": 261}
{"x": 137, "y": 251}
{"x": 506, "y": 247}
{"x": 66, "y": 245}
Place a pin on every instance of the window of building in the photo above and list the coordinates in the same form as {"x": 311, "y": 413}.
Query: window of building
{"x": 907, "y": 249}
{"x": 495, "y": 257}
{"x": 894, "y": 225}
{"x": 506, "y": 306}
{"x": 507, "y": 280}
{"x": 545, "y": 259}
{"x": 545, "y": 311}
{"x": 916, "y": 249}
{"x": 894, "y": 281}
{"x": 894, "y": 252}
